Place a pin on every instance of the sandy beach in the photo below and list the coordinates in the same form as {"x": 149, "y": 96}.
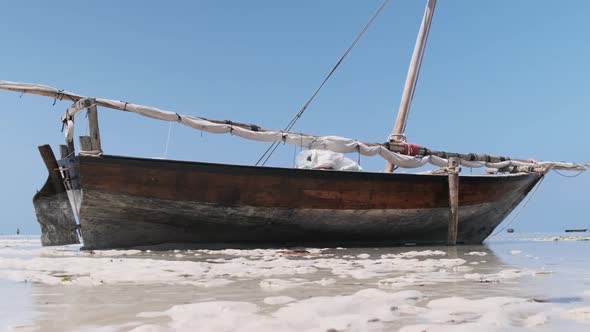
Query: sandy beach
{"x": 523, "y": 281}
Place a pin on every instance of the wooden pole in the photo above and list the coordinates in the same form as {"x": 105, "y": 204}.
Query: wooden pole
{"x": 399, "y": 127}
{"x": 93, "y": 129}
{"x": 453, "y": 201}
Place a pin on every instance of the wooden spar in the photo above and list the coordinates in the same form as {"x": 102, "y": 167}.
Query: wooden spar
{"x": 84, "y": 102}
{"x": 530, "y": 164}
{"x": 81, "y": 102}
{"x": 422, "y": 151}
{"x": 453, "y": 228}
{"x": 398, "y": 133}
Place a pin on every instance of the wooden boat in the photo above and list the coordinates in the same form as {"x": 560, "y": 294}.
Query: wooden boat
{"x": 138, "y": 202}
{"x": 115, "y": 202}
{"x": 579, "y": 230}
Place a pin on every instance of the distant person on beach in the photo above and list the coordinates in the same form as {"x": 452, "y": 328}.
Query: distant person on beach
{"x": 17, "y": 231}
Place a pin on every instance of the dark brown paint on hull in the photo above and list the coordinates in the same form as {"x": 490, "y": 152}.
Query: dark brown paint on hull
{"x": 129, "y": 202}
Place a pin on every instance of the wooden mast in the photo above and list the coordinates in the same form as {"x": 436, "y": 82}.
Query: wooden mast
{"x": 398, "y": 132}
{"x": 399, "y": 129}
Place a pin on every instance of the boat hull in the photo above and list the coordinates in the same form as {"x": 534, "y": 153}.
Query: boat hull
{"x": 133, "y": 202}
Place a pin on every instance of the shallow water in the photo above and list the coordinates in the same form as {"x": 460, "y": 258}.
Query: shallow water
{"x": 517, "y": 282}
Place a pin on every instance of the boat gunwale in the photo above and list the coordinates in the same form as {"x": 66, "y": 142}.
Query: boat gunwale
{"x": 323, "y": 173}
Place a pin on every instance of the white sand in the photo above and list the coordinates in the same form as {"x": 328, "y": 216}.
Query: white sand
{"x": 274, "y": 300}
{"x": 285, "y": 290}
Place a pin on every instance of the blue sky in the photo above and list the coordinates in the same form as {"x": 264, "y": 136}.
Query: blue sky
{"x": 499, "y": 77}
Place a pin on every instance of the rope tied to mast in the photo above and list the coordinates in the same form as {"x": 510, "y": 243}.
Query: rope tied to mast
{"x": 273, "y": 147}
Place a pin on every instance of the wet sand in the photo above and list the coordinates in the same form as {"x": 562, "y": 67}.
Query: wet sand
{"x": 535, "y": 282}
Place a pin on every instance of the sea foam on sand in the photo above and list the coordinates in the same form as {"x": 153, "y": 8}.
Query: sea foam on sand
{"x": 365, "y": 310}
{"x": 211, "y": 268}
{"x": 368, "y": 292}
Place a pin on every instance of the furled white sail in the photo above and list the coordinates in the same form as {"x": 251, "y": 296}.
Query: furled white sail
{"x": 252, "y": 132}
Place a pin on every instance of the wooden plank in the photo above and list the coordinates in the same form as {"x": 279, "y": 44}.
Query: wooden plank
{"x": 63, "y": 151}
{"x": 52, "y": 168}
{"x": 453, "y": 201}
{"x": 287, "y": 188}
{"x": 85, "y": 144}
{"x": 93, "y": 129}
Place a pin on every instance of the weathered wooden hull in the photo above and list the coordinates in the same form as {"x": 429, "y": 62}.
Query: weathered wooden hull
{"x": 129, "y": 202}
{"x": 52, "y": 206}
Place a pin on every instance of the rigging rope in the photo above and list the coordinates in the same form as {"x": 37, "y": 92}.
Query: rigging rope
{"x": 568, "y": 176}
{"x": 168, "y": 140}
{"x": 272, "y": 148}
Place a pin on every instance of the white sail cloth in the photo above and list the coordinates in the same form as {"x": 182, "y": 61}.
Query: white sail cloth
{"x": 331, "y": 143}
{"x": 324, "y": 159}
